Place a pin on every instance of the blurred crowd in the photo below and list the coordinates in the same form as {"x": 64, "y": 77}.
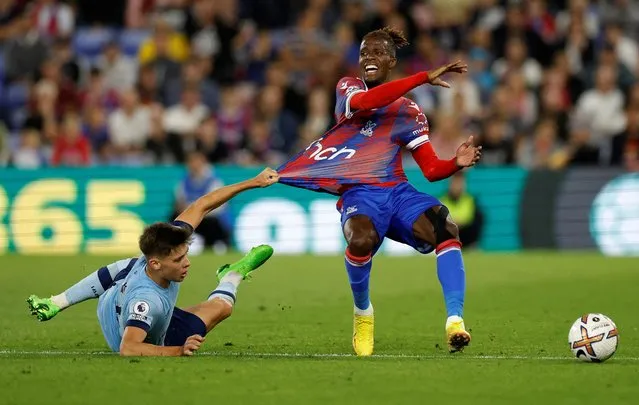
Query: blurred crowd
{"x": 142, "y": 82}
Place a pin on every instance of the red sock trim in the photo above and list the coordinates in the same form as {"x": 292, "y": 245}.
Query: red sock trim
{"x": 357, "y": 259}
{"x": 448, "y": 244}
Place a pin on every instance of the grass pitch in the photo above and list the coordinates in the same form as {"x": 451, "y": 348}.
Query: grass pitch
{"x": 289, "y": 340}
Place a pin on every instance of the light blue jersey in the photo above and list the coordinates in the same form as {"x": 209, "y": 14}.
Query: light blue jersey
{"x": 136, "y": 300}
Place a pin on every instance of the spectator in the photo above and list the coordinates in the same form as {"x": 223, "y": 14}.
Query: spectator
{"x": 148, "y": 86}
{"x": 601, "y": 111}
{"x": 579, "y": 48}
{"x": 164, "y": 44}
{"x": 192, "y": 76}
{"x": 96, "y": 131}
{"x": 199, "y": 181}
{"x": 70, "y": 147}
{"x": 517, "y": 60}
{"x": 578, "y": 10}
{"x": 580, "y": 150}
{"x": 464, "y": 208}
{"x": 504, "y": 107}
{"x": 625, "y": 47}
{"x": 282, "y": 123}
{"x": 54, "y": 19}
{"x": 43, "y": 115}
{"x": 201, "y": 30}
{"x": 497, "y": 149}
{"x": 319, "y": 118}
{"x": 69, "y": 66}
{"x": 29, "y": 154}
{"x": 96, "y": 93}
{"x": 129, "y": 126}
{"x": 524, "y": 101}
{"x": 607, "y": 57}
{"x": 515, "y": 26}
{"x": 67, "y": 99}
{"x": 467, "y": 90}
{"x": 258, "y": 147}
{"x": 184, "y": 118}
{"x": 556, "y": 100}
{"x": 447, "y": 135}
{"x": 162, "y": 147}
{"x": 209, "y": 144}
{"x": 11, "y": 20}
{"x": 233, "y": 118}
{"x": 25, "y": 51}
{"x": 480, "y": 73}
{"x": 543, "y": 150}
{"x": 119, "y": 71}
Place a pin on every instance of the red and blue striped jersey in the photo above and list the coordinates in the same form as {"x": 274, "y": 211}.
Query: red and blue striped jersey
{"x": 363, "y": 148}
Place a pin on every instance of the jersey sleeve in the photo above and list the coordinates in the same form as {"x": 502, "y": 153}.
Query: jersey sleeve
{"x": 346, "y": 88}
{"x": 142, "y": 310}
{"x": 183, "y": 224}
{"x": 412, "y": 127}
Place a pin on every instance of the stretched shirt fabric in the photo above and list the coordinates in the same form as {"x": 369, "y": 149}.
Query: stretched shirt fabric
{"x": 364, "y": 148}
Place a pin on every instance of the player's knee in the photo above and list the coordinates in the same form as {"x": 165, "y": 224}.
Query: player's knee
{"x": 452, "y": 229}
{"x": 226, "y": 311}
{"x": 362, "y": 243}
{"x": 444, "y": 227}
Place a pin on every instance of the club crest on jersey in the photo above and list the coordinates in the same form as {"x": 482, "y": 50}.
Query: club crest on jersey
{"x": 330, "y": 153}
{"x": 368, "y": 129}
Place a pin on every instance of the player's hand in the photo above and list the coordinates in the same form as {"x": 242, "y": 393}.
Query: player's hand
{"x": 267, "y": 177}
{"x": 467, "y": 154}
{"x": 434, "y": 76}
{"x": 192, "y": 344}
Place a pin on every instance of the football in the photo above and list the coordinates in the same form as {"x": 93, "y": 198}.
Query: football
{"x": 593, "y": 338}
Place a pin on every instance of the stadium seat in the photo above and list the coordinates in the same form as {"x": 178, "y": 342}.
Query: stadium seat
{"x": 16, "y": 96}
{"x": 130, "y": 41}
{"x": 89, "y": 42}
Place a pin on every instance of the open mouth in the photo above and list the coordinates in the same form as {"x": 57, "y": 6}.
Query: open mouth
{"x": 371, "y": 69}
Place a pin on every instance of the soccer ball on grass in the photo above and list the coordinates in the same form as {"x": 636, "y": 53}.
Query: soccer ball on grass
{"x": 593, "y": 338}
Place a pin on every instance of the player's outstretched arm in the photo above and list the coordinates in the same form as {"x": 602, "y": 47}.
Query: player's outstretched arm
{"x": 455, "y": 67}
{"x": 388, "y": 92}
{"x": 194, "y": 213}
{"x": 133, "y": 345}
{"x": 435, "y": 169}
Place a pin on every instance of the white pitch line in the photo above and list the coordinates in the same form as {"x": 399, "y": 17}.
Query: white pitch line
{"x": 310, "y": 355}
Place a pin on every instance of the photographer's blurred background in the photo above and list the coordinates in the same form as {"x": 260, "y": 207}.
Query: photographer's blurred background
{"x": 552, "y": 85}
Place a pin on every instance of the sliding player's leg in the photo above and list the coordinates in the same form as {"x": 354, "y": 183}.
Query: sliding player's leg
{"x": 92, "y": 286}
{"x": 201, "y": 318}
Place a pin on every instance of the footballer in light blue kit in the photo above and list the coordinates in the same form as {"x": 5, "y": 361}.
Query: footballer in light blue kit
{"x": 137, "y": 296}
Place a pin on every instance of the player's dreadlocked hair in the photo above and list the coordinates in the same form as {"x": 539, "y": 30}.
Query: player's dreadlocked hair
{"x": 391, "y": 35}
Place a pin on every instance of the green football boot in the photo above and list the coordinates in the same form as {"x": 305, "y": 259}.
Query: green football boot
{"x": 250, "y": 262}
{"x": 43, "y": 308}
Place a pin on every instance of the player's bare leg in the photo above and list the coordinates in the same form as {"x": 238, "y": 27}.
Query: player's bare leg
{"x": 361, "y": 238}
{"x": 437, "y": 229}
{"x": 212, "y": 312}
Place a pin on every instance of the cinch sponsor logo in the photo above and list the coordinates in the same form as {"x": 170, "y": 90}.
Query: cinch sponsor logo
{"x": 329, "y": 153}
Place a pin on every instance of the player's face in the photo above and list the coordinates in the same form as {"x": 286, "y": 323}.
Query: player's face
{"x": 375, "y": 61}
{"x": 175, "y": 266}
